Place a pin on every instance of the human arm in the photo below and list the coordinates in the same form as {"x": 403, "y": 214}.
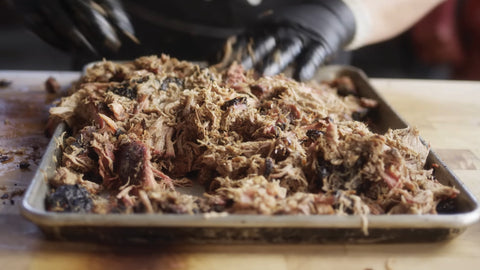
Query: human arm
{"x": 380, "y": 20}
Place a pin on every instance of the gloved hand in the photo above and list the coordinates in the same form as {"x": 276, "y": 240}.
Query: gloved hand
{"x": 304, "y": 34}
{"x": 78, "y": 25}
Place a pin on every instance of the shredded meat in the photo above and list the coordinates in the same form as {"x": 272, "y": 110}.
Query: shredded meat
{"x": 263, "y": 145}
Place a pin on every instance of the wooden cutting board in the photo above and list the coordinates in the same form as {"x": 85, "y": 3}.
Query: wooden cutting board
{"x": 23, "y": 114}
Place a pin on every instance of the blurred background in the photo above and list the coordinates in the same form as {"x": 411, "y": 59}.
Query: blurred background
{"x": 444, "y": 45}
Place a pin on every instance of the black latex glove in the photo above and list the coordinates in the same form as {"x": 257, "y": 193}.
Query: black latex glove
{"x": 305, "y": 35}
{"x": 78, "y": 25}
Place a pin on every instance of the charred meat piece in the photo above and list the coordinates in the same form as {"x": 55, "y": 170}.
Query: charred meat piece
{"x": 323, "y": 170}
{"x": 167, "y": 81}
{"x": 133, "y": 164}
{"x": 4, "y": 158}
{"x": 24, "y": 165}
{"x": 69, "y": 198}
{"x": 447, "y": 206}
{"x": 233, "y": 102}
{"x": 314, "y": 134}
{"x": 268, "y": 167}
{"x": 360, "y": 115}
{"x": 124, "y": 90}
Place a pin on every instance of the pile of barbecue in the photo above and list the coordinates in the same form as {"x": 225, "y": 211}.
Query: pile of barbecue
{"x": 143, "y": 133}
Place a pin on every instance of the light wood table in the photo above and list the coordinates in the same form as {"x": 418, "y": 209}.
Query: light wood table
{"x": 447, "y": 114}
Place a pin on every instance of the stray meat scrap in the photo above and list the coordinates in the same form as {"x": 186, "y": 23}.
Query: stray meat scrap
{"x": 52, "y": 86}
{"x": 24, "y": 165}
{"x": 5, "y": 83}
{"x": 262, "y": 145}
{"x": 69, "y": 198}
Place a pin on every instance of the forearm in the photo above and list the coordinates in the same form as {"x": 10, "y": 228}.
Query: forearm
{"x": 379, "y": 20}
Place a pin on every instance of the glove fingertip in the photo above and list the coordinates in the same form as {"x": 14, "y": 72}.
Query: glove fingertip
{"x": 313, "y": 57}
{"x": 257, "y": 50}
{"x": 84, "y": 43}
{"x": 288, "y": 50}
{"x": 132, "y": 37}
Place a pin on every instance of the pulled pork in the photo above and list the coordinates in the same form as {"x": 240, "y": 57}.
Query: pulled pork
{"x": 142, "y": 131}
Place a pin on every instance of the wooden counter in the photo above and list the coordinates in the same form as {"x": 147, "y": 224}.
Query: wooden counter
{"x": 447, "y": 114}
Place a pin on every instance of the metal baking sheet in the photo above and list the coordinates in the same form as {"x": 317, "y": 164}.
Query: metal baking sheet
{"x": 237, "y": 228}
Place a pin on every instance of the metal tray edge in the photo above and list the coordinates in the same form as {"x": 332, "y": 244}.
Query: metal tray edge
{"x": 47, "y": 219}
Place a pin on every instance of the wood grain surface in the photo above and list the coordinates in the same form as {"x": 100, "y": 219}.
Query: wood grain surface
{"x": 447, "y": 114}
